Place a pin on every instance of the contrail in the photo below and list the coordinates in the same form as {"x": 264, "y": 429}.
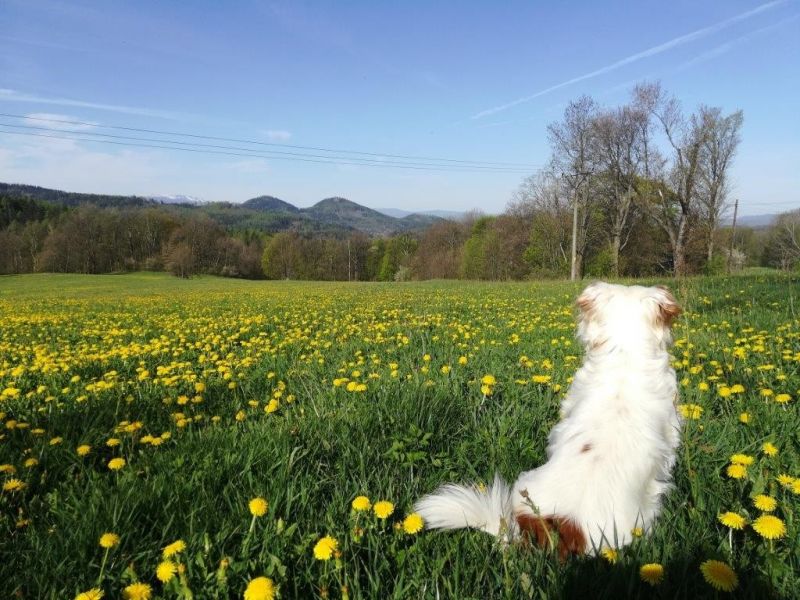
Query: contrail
{"x": 678, "y": 41}
{"x": 15, "y": 96}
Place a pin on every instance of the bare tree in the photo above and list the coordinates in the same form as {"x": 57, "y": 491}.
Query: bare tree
{"x": 675, "y": 203}
{"x": 719, "y": 146}
{"x": 571, "y": 144}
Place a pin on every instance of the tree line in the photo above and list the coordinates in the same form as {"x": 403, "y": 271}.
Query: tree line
{"x": 639, "y": 189}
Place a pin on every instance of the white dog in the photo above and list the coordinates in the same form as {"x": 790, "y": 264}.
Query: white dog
{"x": 610, "y": 456}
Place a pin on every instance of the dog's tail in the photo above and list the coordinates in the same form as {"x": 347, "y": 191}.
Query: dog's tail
{"x": 457, "y": 506}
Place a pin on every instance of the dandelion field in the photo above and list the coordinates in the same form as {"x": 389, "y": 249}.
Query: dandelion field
{"x": 211, "y": 438}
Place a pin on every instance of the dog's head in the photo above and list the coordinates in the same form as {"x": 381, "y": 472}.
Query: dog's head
{"x": 630, "y": 317}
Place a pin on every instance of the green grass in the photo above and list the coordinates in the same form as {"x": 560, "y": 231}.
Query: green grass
{"x": 397, "y": 440}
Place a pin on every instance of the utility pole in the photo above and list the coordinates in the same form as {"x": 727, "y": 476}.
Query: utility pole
{"x": 733, "y": 234}
{"x": 573, "y": 271}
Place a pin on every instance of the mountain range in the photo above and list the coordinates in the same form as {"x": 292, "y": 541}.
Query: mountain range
{"x": 334, "y": 216}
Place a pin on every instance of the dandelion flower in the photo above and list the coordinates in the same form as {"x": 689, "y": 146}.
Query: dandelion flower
{"x": 92, "y": 594}
{"x": 782, "y": 398}
{"x": 736, "y": 471}
{"x": 173, "y": 548}
{"x": 83, "y": 450}
{"x": 769, "y": 449}
{"x": 412, "y": 524}
{"x": 31, "y": 462}
{"x": 13, "y": 485}
{"x": 732, "y": 520}
{"x": 742, "y": 459}
{"x": 610, "y": 555}
{"x": 383, "y": 509}
{"x": 637, "y": 532}
{"x": 258, "y": 507}
{"x": 109, "y": 540}
{"x": 719, "y": 575}
{"x": 488, "y": 380}
{"x": 137, "y": 591}
{"x": 260, "y": 588}
{"x": 361, "y": 503}
{"x": 744, "y": 418}
{"x": 765, "y": 503}
{"x": 166, "y": 570}
{"x": 769, "y": 527}
{"x": 325, "y": 547}
{"x": 785, "y": 479}
{"x": 651, "y": 573}
{"x": 115, "y": 464}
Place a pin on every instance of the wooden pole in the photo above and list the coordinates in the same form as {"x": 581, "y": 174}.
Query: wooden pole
{"x": 733, "y": 234}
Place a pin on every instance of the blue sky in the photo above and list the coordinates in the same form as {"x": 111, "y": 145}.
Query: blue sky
{"x": 457, "y": 80}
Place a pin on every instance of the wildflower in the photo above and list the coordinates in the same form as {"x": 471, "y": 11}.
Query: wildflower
{"x": 56, "y": 441}
{"x": 241, "y": 416}
{"x": 782, "y": 398}
{"x": 488, "y": 380}
{"x": 361, "y": 503}
{"x": 260, "y": 588}
{"x": 719, "y": 575}
{"x": 732, "y": 520}
{"x": 92, "y": 594}
{"x": 383, "y": 509}
{"x": 412, "y": 524}
{"x": 7, "y": 469}
{"x": 272, "y": 406}
{"x": 173, "y": 548}
{"x": 769, "y": 449}
{"x": 765, "y": 503}
{"x": 541, "y": 378}
{"x": 113, "y": 442}
{"x": 785, "y": 480}
{"x": 744, "y": 418}
{"x": 742, "y": 459}
{"x": 137, "y": 591}
{"x": 610, "y": 554}
{"x": 637, "y": 532}
{"x": 736, "y": 471}
{"x": 769, "y": 527}
{"x": 651, "y": 573}
{"x": 83, "y": 450}
{"x": 31, "y": 462}
{"x": 166, "y": 570}
{"x": 325, "y": 547}
{"x": 258, "y": 507}
{"x": 690, "y": 411}
{"x": 14, "y": 485}
{"x": 115, "y": 464}
{"x": 109, "y": 540}
{"x": 462, "y": 360}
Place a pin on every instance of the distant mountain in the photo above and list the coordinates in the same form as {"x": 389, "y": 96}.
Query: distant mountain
{"x": 332, "y": 216}
{"x": 270, "y": 203}
{"x": 452, "y": 215}
{"x": 753, "y": 221}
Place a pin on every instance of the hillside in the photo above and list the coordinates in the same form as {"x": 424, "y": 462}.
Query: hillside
{"x": 332, "y": 216}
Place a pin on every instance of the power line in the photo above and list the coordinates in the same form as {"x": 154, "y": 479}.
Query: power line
{"x": 260, "y": 143}
{"x": 263, "y": 153}
{"x": 330, "y": 161}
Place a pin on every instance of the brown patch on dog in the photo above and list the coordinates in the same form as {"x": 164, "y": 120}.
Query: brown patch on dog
{"x": 553, "y": 533}
{"x": 586, "y": 448}
{"x": 668, "y": 308}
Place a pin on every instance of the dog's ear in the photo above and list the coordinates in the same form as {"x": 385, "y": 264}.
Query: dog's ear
{"x": 668, "y": 308}
{"x": 586, "y": 301}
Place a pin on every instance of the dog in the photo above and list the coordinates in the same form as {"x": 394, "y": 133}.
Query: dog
{"x": 610, "y": 457}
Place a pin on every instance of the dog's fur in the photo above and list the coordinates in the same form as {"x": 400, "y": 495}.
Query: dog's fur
{"x": 610, "y": 456}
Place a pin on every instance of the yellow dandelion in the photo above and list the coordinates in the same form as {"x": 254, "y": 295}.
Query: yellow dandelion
{"x": 325, "y": 547}
{"x": 31, "y": 462}
{"x": 173, "y": 548}
{"x": 412, "y": 524}
{"x": 8, "y": 468}
{"x": 769, "y": 527}
{"x": 652, "y": 573}
{"x": 736, "y": 471}
{"x": 258, "y": 507}
{"x": 637, "y": 532}
{"x": 272, "y": 406}
{"x": 166, "y": 570}
{"x": 92, "y": 594}
{"x": 690, "y": 411}
{"x": 719, "y": 575}
{"x": 732, "y": 520}
{"x": 14, "y": 485}
{"x": 383, "y": 509}
{"x": 137, "y": 591}
{"x": 610, "y": 554}
{"x": 769, "y": 449}
{"x": 488, "y": 380}
{"x": 744, "y": 418}
{"x": 115, "y": 464}
{"x": 260, "y": 588}
{"x": 361, "y": 503}
{"x": 782, "y": 398}
{"x": 742, "y": 459}
{"x": 109, "y": 540}
{"x": 83, "y": 449}
{"x": 765, "y": 503}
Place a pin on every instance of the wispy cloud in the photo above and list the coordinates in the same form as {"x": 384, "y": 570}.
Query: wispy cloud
{"x": 7, "y": 95}
{"x": 278, "y": 135}
{"x": 54, "y": 121}
{"x": 653, "y": 51}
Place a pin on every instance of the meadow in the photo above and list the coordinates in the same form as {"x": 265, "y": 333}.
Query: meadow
{"x": 209, "y": 438}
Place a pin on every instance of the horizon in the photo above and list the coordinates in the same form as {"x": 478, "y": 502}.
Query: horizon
{"x": 376, "y": 81}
